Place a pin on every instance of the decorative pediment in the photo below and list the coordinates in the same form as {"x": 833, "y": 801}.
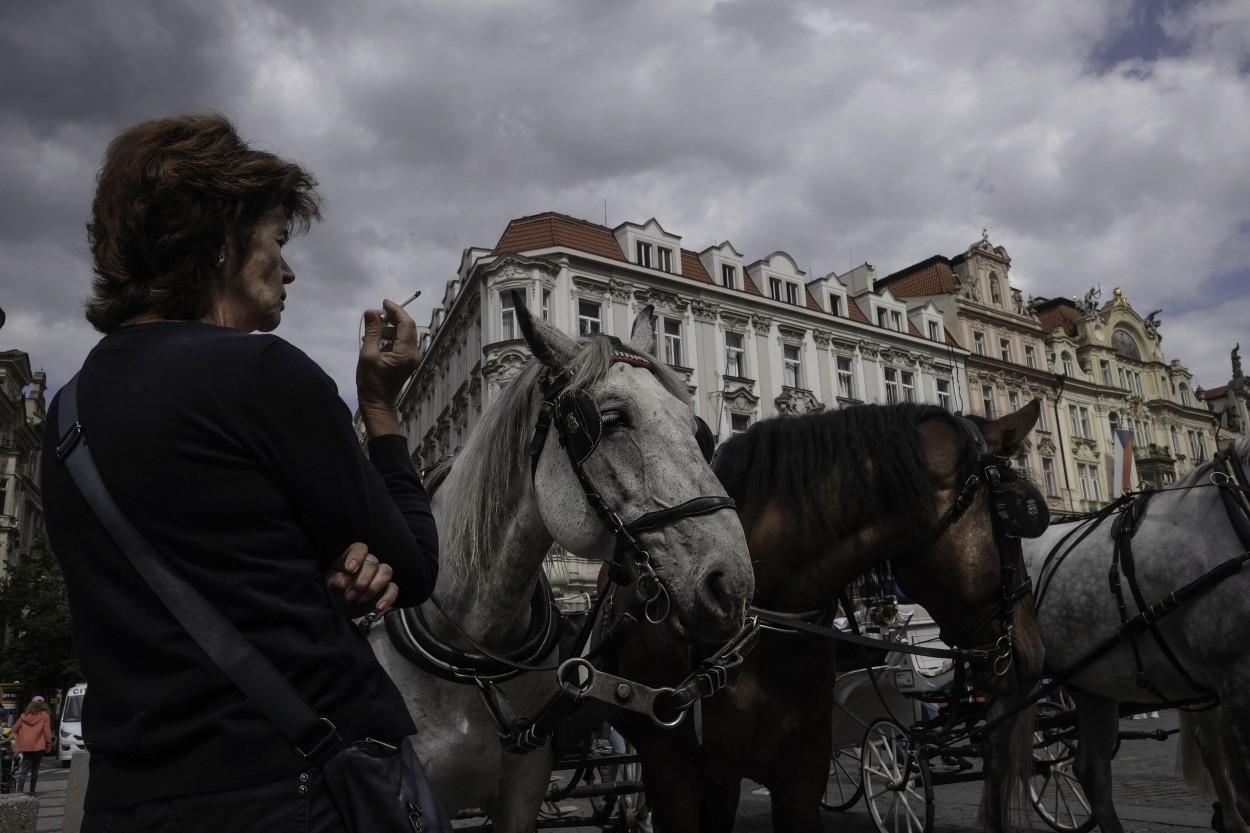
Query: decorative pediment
{"x": 740, "y": 400}
{"x": 793, "y": 401}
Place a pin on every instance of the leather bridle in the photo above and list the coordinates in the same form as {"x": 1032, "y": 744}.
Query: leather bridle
{"x": 575, "y": 417}
{"x": 992, "y": 472}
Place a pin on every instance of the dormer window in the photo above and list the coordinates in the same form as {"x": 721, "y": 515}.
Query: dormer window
{"x": 1066, "y": 363}
{"x": 792, "y": 293}
{"x": 644, "y": 254}
{"x": 666, "y": 259}
{"x": 935, "y": 331}
{"x": 835, "y": 305}
{"x": 774, "y": 288}
{"x": 890, "y": 319}
{"x": 729, "y": 276}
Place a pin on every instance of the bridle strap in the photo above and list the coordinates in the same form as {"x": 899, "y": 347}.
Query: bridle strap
{"x": 694, "y": 507}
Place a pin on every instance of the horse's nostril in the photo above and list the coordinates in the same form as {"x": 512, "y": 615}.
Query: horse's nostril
{"x": 720, "y": 596}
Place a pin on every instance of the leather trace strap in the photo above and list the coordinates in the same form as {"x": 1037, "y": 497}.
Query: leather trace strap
{"x": 313, "y": 736}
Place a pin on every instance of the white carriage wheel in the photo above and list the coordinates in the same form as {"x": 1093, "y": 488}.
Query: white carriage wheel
{"x": 846, "y": 781}
{"x": 1056, "y": 794}
{"x": 896, "y": 781}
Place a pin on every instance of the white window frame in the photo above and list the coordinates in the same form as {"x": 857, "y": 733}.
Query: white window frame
{"x": 896, "y": 321}
{"x": 978, "y": 343}
{"x": 589, "y": 324}
{"x": 987, "y": 401}
{"x": 671, "y": 330}
{"x": 664, "y": 258}
{"x": 835, "y": 305}
{"x": 935, "y": 331}
{"x": 1048, "y": 475}
{"x": 546, "y": 312}
{"x": 792, "y": 293}
{"x": 642, "y": 251}
{"x": 774, "y": 288}
{"x": 846, "y": 377}
{"x": 891, "y": 386}
{"x": 1066, "y": 363}
{"x": 1030, "y": 356}
{"x": 944, "y": 393}
{"x": 729, "y": 276}
{"x": 735, "y": 355}
{"x": 1013, "y": 401}
{"x": 736, "y": 427}
{"x": 1105, "y": 367}
{"x": 507, "y": 317}
{"x": 792, "y": 365}
{"x": 907, "y": 380}
{"x": 1004, "y": 349}
{"x": 1185, "y": 400}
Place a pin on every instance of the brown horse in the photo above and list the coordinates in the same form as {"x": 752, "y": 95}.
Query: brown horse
{"x": 824, "y": 499}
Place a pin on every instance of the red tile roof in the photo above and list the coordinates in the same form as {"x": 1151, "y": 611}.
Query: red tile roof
{"x": 1058, "y": 313}
{"x": 933, "y": 276}
{"x": 543, "y": 231}
{"x": 1215, "y": 393}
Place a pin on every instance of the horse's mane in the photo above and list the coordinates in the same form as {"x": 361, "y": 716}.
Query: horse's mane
{"x": 833, "y": 472}
{"x": 491, "y": 475}
{"x": 1241, "y": 450}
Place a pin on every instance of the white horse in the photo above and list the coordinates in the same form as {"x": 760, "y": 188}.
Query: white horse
{"x": 1182, "y": 534}
{"x": 498, "y": 513}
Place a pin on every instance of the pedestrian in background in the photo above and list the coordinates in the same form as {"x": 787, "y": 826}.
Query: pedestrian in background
{"x": 231, "y": 451}
{"x": 33, "y": 739}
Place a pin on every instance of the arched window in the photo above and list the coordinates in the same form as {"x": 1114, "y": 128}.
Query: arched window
{"x": 1185, "y": 399}
{"x": 1066, "y": 360}
{"x": 1123, "y": 343}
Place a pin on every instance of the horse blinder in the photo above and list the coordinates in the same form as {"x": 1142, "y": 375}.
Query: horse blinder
{"x": 1020, "y": 509}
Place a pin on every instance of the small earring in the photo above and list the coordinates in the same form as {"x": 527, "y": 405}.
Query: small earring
{"x": 221, "y": 259}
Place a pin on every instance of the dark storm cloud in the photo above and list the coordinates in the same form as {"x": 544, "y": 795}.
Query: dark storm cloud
{"x": 836, "y": 132}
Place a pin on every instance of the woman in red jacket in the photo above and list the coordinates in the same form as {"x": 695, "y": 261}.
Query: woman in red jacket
{"x": 33, "y": 733}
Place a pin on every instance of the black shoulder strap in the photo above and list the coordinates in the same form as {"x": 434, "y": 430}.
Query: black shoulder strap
{"x": 253, "y": 674}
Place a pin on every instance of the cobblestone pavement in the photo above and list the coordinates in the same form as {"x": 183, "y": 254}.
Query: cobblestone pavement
{"x": 1149, "y": 797}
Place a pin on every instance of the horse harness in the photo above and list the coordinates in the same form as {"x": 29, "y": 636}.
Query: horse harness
{"x": 1230, "y": 479}
{"x": 576, "y": 418}
{"x": 579, "y": 425}
{"x": 1019, "y": 511}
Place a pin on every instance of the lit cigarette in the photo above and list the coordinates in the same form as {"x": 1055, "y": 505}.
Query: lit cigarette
{"x": 414, "y": 296}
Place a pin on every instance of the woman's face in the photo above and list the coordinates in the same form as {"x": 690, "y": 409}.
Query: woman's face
{"x": 252, "y": 293}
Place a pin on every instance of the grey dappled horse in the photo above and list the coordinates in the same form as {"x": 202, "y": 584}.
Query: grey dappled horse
{"x": 498, "y": 513}
{"x": 1183, "y": 533}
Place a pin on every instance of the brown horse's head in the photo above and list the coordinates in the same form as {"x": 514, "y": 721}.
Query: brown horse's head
{"x": 972, "y": 580}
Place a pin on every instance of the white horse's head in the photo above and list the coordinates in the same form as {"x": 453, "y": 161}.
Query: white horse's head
{"x": 645, "y": 459}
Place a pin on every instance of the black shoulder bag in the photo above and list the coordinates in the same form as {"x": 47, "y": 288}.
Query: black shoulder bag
{"x": 376, "y": 787}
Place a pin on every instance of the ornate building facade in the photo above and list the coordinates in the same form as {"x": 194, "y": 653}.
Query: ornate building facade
{"x": 21, "y": 435}
{"x": 752, "y": 339}
{"x": 1100, "y": 372}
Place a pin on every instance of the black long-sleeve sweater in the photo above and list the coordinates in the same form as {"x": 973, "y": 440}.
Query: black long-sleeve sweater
{"x": 235, "y": 456}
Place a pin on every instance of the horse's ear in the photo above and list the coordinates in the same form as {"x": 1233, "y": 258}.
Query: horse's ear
{"x": 1005, "y": 434}
{"x": 642, "y": 336}
{"x": 550, "y": 346}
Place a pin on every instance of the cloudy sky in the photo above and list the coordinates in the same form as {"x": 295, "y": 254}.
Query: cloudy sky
{"x": 1102, "y": 142}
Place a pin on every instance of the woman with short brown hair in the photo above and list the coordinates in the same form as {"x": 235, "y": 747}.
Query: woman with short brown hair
{"x": 232, "y": 453}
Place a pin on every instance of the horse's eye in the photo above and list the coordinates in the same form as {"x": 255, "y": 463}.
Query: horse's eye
{"x": 612, "y": 420}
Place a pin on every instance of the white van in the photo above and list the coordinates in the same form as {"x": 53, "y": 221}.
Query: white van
{"x": 70, "y": 733}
